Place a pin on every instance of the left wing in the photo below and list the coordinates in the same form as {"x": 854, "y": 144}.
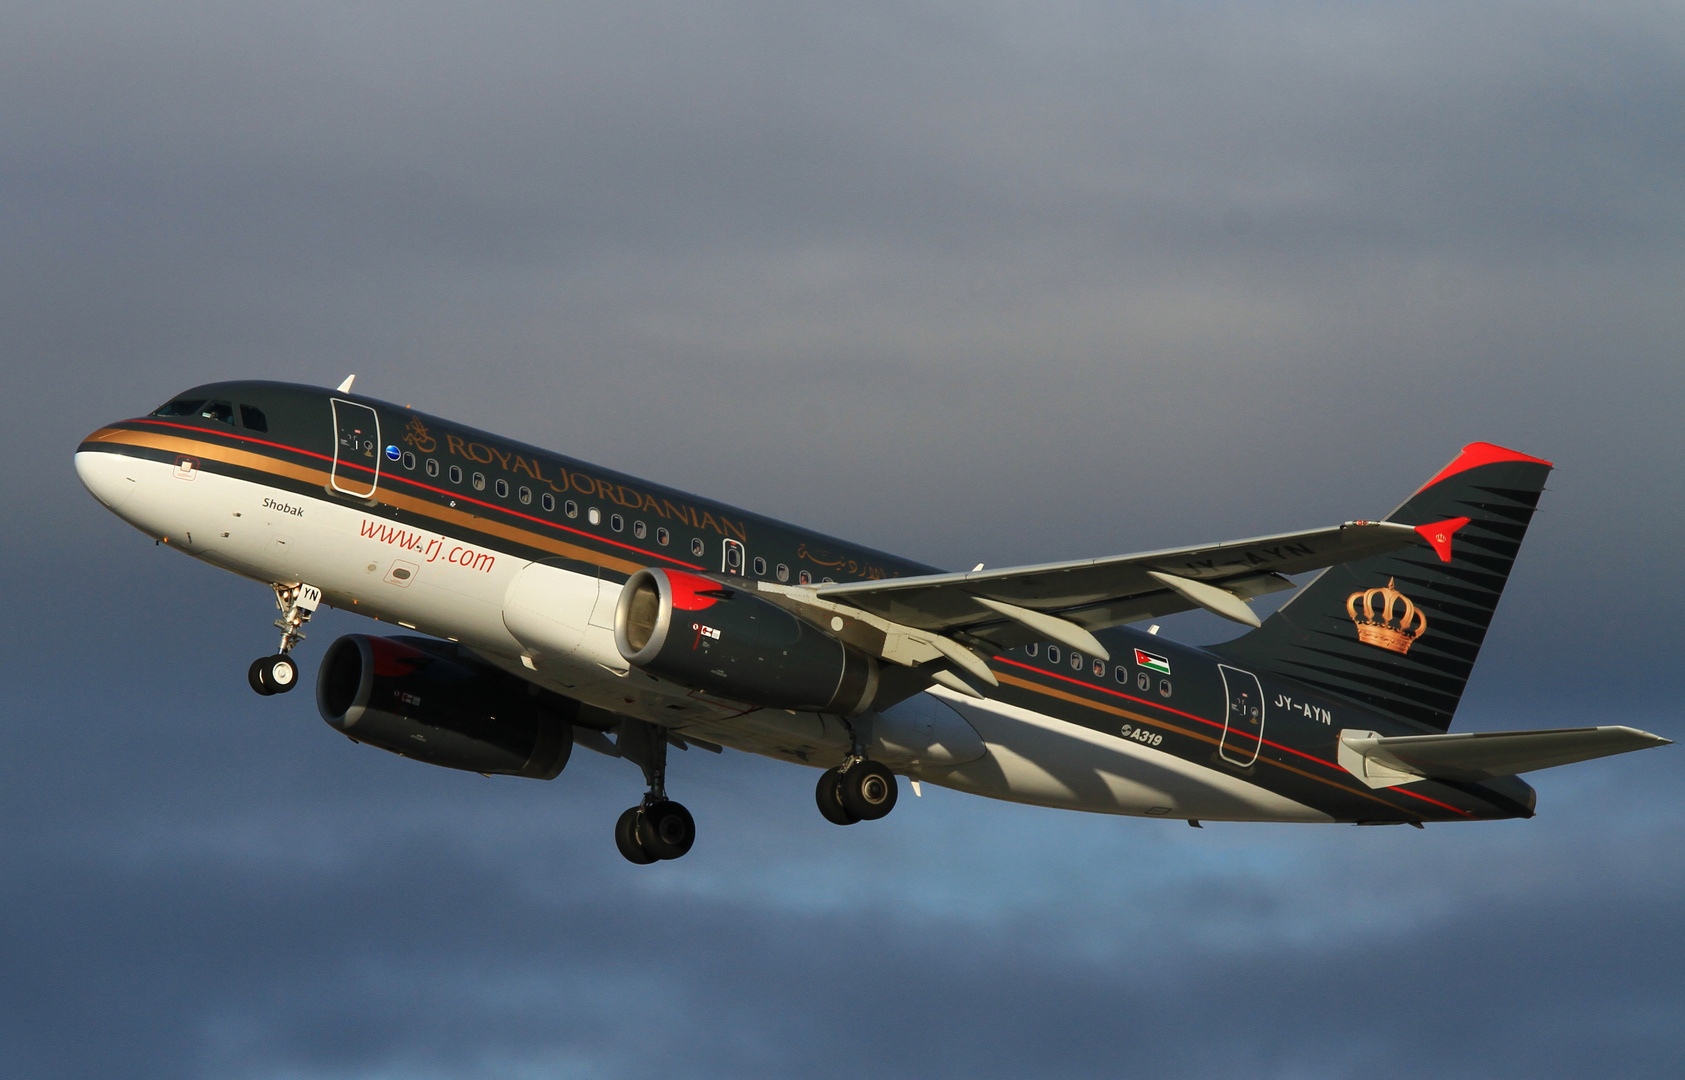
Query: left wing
{"x": 1063, "y": 601}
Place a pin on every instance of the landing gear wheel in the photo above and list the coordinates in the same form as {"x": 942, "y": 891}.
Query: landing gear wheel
{"x": 254, "y": 675}
{"x": 829, "y": 797}
{"x": 626, "y": 838}
{"x": 273, "y": 674}
{"x": 666, "y": 829}
{"x": 867, "y": 790}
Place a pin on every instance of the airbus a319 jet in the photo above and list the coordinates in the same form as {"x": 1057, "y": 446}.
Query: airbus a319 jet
{"x": 555, "y": 603}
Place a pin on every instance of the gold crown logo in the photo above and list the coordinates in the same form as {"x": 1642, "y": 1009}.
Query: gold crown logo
{"x": 1386, "y": 618}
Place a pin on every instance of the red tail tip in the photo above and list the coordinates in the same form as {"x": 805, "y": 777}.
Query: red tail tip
{"x": 1477, "y": 454}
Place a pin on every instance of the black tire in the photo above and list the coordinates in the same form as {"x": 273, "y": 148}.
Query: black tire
{"x": 278, "y": 673}
{"x": 829, "y": 798}
{"x": 626, "y": 838}
{"x": 868, "y": 790}
{"x": 254, "y": 675}
{"x": 666, "y": 830}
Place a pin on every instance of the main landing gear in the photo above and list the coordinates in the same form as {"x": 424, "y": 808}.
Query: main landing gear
{"x": 656, "y": 828}
{"x": 277, "y": 674}
{"x": 857, "y": 790}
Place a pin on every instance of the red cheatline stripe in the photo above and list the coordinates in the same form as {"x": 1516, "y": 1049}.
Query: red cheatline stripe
{"x": 428, "y": 487}
{"x": 1212, "y": 723}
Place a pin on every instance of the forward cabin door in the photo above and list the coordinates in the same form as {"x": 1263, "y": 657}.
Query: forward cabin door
{"x": 356, "y": 451}
{"x": 1243, "y": 727}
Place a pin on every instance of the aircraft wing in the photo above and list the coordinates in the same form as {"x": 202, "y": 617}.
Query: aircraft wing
{"x": 1483, "y": 755}
{"x": 1062, "y": 601}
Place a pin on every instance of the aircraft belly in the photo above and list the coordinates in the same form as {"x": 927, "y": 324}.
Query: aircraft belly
{"x": 1034, "y": 758}
{"x": 278, "y": 535}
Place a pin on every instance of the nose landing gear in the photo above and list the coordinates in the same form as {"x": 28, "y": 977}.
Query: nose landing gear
{"x": 657, "y": 828}
{"x": 277, "y": 674}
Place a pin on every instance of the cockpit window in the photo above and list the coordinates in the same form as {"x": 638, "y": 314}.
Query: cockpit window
{"x": 253, "y": 419}
{"x": 218, "y": 410}
{"x": 180, "y": 407}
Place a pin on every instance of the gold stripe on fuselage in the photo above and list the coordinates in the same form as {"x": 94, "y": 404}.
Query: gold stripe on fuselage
{"x": 1155, "y": 722}
{"x": 445, "y": 516}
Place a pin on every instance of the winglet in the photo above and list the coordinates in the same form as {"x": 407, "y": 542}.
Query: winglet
{"x": 345, "y": 387}
{"x": 1439, "y": 534}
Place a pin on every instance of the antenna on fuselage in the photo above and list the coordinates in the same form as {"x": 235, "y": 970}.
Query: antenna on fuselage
{"x": 345, "y": 387}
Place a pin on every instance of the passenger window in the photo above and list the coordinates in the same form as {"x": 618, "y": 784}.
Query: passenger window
{"x": 1099, "y": 669}
{"x": 432, "y": 466}
{"x": 783, "y": 572}
{"x": 662, "y": 536}
{"x": 456, "y": 474}
{"x": 502, "y": 488}
{"x": 1164, "y": 688}
{"x": 253, "y": 419}
{"x": 639, "y": 529}
{"x": 827, "y": 581}
{"x": 697, "y": 547}
{"x": 479, "y": 481}
{"x": 409, "y": 460}
{"x": 1031, "y": 649}
{"x": 616, "y": 522}
{"x": 1143, "y": 681}
{"x": 1053, "y": 654}
{"x": 594, "y": 516}
{"x": 804, "y": 578}
{"x": 1076, "y": 661}
{"x": 180, "y": 407}
{"x": 548, "y": 501}
{"x": 525, "y": 495}
{"x": 1121, "y": 674}
{"x": 570, "y": 508}
{"x": 760, "y": 566}
{"x": 220, "y": 411}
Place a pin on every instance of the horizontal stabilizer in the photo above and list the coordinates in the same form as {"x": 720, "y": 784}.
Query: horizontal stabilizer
{"x": 1385, "y": 761}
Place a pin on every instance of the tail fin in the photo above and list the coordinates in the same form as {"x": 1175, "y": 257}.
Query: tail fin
{"x": 1400, "y": 632}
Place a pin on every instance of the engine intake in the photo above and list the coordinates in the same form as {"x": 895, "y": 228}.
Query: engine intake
{"x": 707, "y": 635}
{"x": 435, "y": 702}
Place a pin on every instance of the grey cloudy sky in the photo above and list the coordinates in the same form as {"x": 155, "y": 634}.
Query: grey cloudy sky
{"x": 981, "y": 281}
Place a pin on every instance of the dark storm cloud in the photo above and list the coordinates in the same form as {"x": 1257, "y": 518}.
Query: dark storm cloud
{"x": 970, "y": 283}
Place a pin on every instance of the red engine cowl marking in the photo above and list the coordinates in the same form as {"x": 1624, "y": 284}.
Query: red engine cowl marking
{"x": 1439, "y": 535}
{"x": 393, "y": 658}
{"x": 693, "y": 593}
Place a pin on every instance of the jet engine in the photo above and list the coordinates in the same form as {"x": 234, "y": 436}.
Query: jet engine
{"x": 435, "y": 702}
{"x": 707, "y": 635}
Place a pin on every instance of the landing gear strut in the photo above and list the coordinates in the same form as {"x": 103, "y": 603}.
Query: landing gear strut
{"x": 656, "y": 828}
{"x": 277, "y": 674}
{"x": 857, "y": 790}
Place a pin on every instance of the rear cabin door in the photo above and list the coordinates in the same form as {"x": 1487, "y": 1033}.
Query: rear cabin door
{"x": 356, "y": 451}
{"x": 1243, "y": 728}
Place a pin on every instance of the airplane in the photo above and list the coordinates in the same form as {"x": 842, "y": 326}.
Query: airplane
{"x": 552, "y": 603}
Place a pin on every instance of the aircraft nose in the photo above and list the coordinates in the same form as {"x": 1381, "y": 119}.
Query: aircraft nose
{"x": 107, "y": 477}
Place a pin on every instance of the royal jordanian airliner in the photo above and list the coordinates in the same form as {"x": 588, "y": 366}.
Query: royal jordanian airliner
{"x": 554, "y": 603}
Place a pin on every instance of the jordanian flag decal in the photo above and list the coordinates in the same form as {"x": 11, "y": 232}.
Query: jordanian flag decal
{"x": 1152, "y": 663}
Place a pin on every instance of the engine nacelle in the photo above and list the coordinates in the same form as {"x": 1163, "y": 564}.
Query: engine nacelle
{"x": 707, "y": 635}
{"x": 434, "y": 702}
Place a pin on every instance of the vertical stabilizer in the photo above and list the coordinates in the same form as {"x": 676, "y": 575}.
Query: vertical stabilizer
{"x": 1401, "y": 632}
